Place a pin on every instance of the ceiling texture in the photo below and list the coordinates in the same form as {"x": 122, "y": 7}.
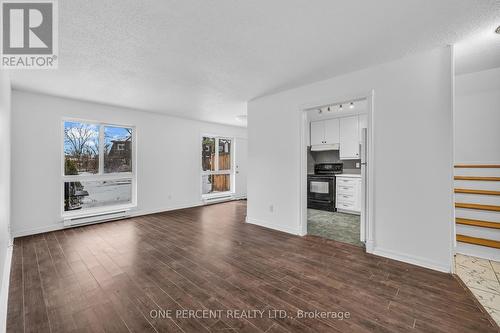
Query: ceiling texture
{"x": 205, "y": 59}
{"x": 479, "y": 52}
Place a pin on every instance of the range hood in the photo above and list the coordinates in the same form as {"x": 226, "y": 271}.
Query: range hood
{"x": 334, "y": 146}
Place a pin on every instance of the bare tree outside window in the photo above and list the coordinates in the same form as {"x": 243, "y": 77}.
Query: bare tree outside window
{"x": 81, "y": 148}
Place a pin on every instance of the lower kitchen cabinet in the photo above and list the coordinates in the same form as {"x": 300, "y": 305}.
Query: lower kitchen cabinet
{"x": 348, "y": 194}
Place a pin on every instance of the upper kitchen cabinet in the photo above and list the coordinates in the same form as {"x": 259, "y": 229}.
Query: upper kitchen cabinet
{"x": 332, "y": 131}
{"x": 349, "y": 138}
{"x": 317, "y": 133}
{"x": 325, "y": 134}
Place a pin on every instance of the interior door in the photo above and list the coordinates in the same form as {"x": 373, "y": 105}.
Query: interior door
{"x": 241, "y": 168}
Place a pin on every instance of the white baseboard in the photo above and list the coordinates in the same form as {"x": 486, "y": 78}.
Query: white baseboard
{"x": 419, "y": 261}
{"x": 4, "y": 292}
{"x": 370, "y": 246}
{"x": 266, "y": 224}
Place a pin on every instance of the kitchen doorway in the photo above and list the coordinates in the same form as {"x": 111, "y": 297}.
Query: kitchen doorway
{"x": 336, "y": 170}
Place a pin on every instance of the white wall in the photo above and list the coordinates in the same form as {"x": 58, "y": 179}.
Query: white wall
{"x": 413, "y": 154}
{"x": 5, "y": 253}
{"x": 168, "y": 157}
{"x": 477, "y": 117}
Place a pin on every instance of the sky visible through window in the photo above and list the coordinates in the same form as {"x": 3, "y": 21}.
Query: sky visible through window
{"x": 115, "y": 134}
{"x": 80, "y": 136}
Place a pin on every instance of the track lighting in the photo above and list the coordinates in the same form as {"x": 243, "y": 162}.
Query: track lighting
{"x": 351, "y": 106}
{"x": 340, "y": 107}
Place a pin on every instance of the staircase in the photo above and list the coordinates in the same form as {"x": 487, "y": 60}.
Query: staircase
{"x": 477, "y": 210}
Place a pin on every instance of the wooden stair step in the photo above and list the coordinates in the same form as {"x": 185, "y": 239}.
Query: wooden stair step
{"x": 483, "y": 166}
{"x": 477, "y": 206}
{"x": 470, "y": 191}
{"x": 478, "y": 223}
{"x": 488, "y": 179}
{"x": 478, "y": 241}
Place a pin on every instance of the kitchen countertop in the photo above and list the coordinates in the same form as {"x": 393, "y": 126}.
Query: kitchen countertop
{"x": 346, "y": 175}
{"x": 349, "y": 175}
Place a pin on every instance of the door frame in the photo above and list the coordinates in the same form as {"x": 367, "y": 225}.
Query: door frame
{"x": 370, "y": 168}
{"x": 237, "y": 153}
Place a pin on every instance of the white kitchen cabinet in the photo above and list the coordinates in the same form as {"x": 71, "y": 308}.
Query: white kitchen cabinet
{"x": 317, "y": 133}
{"x": 342, "y": 132}
{"x": 362, "y": 123}
{"x": 349, "y": 138}
{"x": 332, "y": 131}
{"x": 325, "y": 132}
{"x": 348, "y": 194}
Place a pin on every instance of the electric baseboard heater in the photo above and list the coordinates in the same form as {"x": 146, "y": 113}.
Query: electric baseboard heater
{"x": 96, "y": 218}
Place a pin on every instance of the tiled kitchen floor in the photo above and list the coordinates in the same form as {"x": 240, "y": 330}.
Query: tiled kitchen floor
{"x": 333, "y": 225}
{"x": 483, "y": 279}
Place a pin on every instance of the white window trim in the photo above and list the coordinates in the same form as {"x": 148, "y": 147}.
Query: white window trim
{"x": 229, "y": 172}
{"x": 100, "y": 176}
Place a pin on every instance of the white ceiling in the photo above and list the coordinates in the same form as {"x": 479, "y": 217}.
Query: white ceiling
{"x": 478, "y": 52}
{"x": 205, "y": 59}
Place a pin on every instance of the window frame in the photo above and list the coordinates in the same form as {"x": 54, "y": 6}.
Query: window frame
{"x": 230, "y": 172}
{"x": 100, "y": 175}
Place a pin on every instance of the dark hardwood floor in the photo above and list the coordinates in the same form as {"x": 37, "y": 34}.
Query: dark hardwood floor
{"x": 116, "y": 276}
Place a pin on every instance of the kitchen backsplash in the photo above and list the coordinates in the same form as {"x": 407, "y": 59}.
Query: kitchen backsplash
{"x": 330, "y": 156}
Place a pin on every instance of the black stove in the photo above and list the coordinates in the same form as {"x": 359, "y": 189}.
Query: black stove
{"x": 328, "y": 168}
{"x": 321, "y": 186}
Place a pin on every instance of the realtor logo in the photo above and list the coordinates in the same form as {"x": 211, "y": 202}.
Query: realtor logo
{"x": 29, "y": 35}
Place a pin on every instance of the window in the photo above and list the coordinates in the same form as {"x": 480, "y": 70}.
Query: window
{"x": 81, "y": 148}
{"x": 98, "y": 166}
{"x": 118, "y": 149}
{"x": 216, "y": 165}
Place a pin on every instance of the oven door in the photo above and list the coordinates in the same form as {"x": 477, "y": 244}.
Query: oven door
{"x": 320, "y": 191}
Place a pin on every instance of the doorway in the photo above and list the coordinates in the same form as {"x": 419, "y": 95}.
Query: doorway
{"x": 336, "y": 170}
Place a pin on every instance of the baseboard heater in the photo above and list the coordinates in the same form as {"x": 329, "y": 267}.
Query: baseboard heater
{"x": 217, "y": 199}
{"x": 96, "y": 218}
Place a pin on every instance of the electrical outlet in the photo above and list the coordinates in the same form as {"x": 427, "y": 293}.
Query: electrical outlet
{"x": 271, "y": 208}
{"x": 358, "y": 164}
{"x": 170, "y": 197}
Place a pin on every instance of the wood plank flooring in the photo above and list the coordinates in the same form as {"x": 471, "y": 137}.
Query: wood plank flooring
{"x": 118, "y": 276}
